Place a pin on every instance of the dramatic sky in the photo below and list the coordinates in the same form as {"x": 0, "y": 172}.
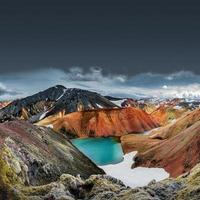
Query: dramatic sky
{"x": 118, "y": 40}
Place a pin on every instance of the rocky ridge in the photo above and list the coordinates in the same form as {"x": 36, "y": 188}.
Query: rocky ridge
{"x": 52, "y": 101}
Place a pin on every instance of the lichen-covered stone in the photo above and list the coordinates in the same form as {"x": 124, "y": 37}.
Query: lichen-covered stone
{"x": 103, "y": 187}
{"x": 31, "y": 156}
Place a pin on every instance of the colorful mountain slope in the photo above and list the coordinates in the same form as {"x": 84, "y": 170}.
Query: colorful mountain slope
{"x": 30, "y": 155}
{"x": 165, "y": 114}
{"x": 172, "y": 129}
{"x": 134, "y": 142}
{"x": 103, "y": 122}
{"x": 177, "y": 155}
{"x": 175, "y": 147}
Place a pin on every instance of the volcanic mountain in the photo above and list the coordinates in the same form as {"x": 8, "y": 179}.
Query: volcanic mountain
{"x": 164, "y": 111}
{"x": 175, "y": 128}
{"x": 175, "y": 147}
{"x": 103, "y": 122}
{"x": 53, "y": 100}
{"x": 141, "y": 143}
{"x": 177, "y": 155}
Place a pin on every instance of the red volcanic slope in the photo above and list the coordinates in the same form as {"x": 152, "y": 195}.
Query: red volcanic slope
{"x": 103, "y": 122}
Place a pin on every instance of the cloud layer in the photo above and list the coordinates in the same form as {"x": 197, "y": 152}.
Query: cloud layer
{"x": 180, "y": 84}
{"x": 6, "y": 93}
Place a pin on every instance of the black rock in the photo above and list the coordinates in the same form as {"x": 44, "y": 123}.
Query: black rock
{"x": 53, "y": 100}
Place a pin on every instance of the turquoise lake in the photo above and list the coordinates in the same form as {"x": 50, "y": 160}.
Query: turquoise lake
{"x": 102, "y": 151}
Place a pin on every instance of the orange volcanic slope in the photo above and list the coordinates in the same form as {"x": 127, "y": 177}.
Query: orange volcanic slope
{"x": 177, "y": 155}
{"x": 103, "y": 122}
{"x": 175, "y": 147}
{"x": 165, "y": 114}
{"x": 178, "y": 126}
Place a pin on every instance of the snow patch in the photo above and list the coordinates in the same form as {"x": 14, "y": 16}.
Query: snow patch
{"x": 136, "y": 177}
{"x": 99, "y": 106}
{"x": 49, "y": 126}
{"x": 43, "y": 115}
{"x": 177, "y": 107}
{"x": 118, "y": 102}
{"x": 64, "y": 90}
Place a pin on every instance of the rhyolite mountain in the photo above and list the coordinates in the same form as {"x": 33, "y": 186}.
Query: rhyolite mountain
{"x": 53, "y": 100}
{"x": 101, "y": 122}
{"x": 79, "y": 113}
{"x": 174, "y": 147}
{"x": 177, "y": 155}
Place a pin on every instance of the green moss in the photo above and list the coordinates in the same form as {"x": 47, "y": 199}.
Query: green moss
{"x": 37, "y": 190}
{"x": 8, "y": 177}
{"x": 7, "y": 174}
{"x": 191, "y": 182}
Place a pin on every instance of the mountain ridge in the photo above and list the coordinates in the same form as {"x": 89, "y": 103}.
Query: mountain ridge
{"x": 52, "y": 100}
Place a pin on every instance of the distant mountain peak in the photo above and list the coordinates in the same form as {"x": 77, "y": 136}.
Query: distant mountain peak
{"x": 52, "y": 100}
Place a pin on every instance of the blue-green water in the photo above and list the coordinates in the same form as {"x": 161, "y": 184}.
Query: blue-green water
{"x": 102, "y": 151}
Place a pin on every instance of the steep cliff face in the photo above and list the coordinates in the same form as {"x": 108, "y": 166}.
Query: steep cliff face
{"x": 104, "y": 122}
{"x": 52, "y": 101}
{"x": 30, "y": 155}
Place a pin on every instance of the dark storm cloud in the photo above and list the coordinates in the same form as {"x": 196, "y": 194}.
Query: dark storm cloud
{"x": 124, "y": 37}
{"x": 181, "y": 84}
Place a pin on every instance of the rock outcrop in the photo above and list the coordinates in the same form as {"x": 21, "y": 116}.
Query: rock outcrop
{"x": 102, "y": 187}
{"x": 52, "y": 101}
{"x": 103, "y": 122}
{"x": 31, "y": 155}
